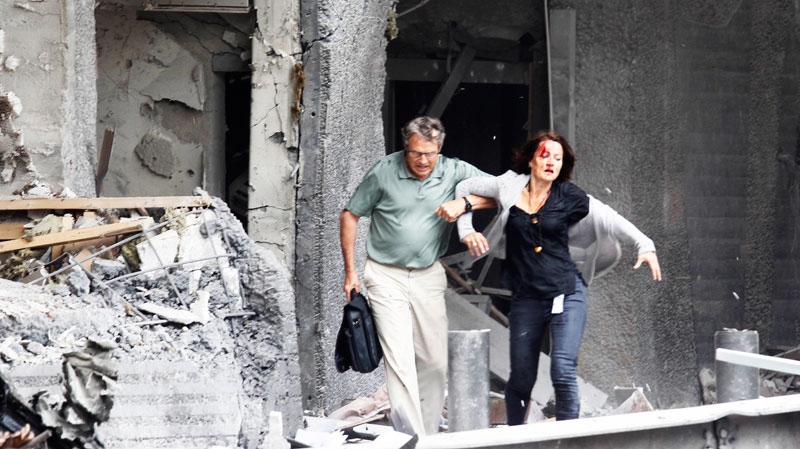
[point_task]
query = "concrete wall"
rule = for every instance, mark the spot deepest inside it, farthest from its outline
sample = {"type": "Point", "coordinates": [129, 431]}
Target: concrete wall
{"type": "Point", "coordinates": [341, 137]}
{"type": "Point", "coordinates": [682, 110]}
{"type": "Point", "coordinates": [158, 91]}
{"type": "Point", "coordinates": [162, 89]}
{"type": "Point", "coordinates": [278, 78]}
{"type": "Point", "coordinates": [47, 95]}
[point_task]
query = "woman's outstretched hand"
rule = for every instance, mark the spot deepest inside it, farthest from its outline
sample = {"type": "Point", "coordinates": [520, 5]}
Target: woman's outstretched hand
{"type": "Point", "coordinates": [651, 259]}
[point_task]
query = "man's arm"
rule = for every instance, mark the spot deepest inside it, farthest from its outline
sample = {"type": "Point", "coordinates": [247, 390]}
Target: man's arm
{"type": "Point", "coordinates": [451, 210]}
{"type": "Point", "coordinates": [348, 226]}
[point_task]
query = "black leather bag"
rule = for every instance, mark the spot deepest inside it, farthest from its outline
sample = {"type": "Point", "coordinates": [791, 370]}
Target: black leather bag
{"type": "Point", "coordinates": [357, 345]}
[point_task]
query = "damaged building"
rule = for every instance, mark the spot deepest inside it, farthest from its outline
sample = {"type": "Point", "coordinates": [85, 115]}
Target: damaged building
{"type": "Point", "coordinates": [683, 115]}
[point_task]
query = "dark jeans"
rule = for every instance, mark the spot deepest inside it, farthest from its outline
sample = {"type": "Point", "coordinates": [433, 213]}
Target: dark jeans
{"type": "Point", "coordinates": [528, 320]}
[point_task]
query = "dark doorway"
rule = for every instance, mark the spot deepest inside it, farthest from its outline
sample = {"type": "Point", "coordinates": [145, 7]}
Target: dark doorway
{"type": "Point", "coordinates": [484, 122]}
{"type": "Point", "coordinates": [237, 141]}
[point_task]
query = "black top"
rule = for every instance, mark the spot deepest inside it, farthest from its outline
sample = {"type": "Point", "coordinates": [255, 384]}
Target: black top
{"type": "Point", "coordinates": [551, 271]}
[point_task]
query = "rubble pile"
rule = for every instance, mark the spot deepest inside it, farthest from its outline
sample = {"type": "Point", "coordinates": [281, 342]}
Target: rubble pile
{"type": "Point", "coordinates": [169, 286]}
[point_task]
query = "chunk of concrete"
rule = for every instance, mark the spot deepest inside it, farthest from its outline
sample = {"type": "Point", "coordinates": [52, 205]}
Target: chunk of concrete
{"type": "Point", "coordinates": [158, 251]}
{"type": "Point", "coordinates": [275, 439]}
{"type": "Point", "coordinates": [156, 152]}
{"type": "Point", "coordinates": [108, 269]}
{"type": "Point", "coordinates": [636, 403]}
{"type": "Point", "coordinates": [170, 314]}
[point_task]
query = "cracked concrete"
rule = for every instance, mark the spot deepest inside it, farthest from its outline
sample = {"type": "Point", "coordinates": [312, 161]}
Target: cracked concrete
{"type": "Point", "coordinates": [271, 202]}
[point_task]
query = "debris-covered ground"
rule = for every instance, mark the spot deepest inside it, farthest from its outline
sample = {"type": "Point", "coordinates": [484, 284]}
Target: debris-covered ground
{"type": "Point", "coordinates": [200, 317]}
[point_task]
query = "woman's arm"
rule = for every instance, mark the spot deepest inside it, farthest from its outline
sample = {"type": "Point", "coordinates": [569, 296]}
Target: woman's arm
{"type": "Point", "coordinates": [483, 186]}
{"type": "Point", "coordinates": [614, 224]}
{"type": "Point", "coordinates": [451, 210]}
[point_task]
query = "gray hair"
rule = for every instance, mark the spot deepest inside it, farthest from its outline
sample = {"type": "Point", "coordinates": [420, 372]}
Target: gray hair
{"type": "Point", "coordinates": [429, 128]}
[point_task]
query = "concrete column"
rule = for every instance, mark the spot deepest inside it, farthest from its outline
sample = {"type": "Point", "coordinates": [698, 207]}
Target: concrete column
{"type": "Point", "coordinates": [468, 380]}
{"type": "Point", "coordinates": [736, 382]}
{"type": "Point", "coordinates": [277, 81]}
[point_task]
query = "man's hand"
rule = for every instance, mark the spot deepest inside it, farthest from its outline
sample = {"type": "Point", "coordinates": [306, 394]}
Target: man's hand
{"type": "Point", "coordinates": [477, 243]}
{"type": "Point", "coordinates": [652, 260]}
{"type": "Point", "coordinates": [451, 210]}
{"type": "Point", "coordinates": [351, 282]}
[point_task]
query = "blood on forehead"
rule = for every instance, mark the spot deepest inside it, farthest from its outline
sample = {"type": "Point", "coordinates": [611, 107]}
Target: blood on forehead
{"type": "Point", "coordinates": [542, 150]}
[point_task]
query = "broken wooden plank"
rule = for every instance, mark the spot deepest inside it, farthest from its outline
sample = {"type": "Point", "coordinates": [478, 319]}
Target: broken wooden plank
{"type": "Point", "coordinates": [73, 236]}
{"type": "Point", "coordinates": [103, 203]}
{"type": "Point", "coordinates": [103, 160]}
{"type": "Point", "coordinates": [67, 222]}
{"type": "Point", "coordinates": [11, 231]}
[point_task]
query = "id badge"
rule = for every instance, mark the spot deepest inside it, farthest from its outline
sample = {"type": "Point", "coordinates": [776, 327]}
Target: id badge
{"type": "Point", "coordinates": [558, 305]}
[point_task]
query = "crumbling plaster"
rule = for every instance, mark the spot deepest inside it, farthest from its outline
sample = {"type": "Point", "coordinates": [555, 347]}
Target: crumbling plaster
{"type": "Point", "coordinates": [274, 163]}
{"type": "Point", "coordinates": [158, 92]}
{"type": "Point", "coordinates": [53, 77]}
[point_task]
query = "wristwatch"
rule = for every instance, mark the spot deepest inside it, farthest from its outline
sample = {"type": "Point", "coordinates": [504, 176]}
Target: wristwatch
{"type": "Point", "coordinates": [467, 206]}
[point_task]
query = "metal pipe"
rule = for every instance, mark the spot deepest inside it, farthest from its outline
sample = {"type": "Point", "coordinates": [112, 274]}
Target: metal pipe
{"type": "Point", "coordinates": [468, 380]}
{"type": "Point", "coordinates": [736, 382]}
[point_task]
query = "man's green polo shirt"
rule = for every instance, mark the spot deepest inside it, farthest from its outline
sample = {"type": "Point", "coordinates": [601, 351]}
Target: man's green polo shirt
{"type": "Point", "coordinates": [405, 231]}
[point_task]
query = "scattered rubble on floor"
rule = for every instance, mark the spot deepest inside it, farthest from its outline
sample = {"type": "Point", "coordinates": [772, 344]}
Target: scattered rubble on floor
{"type": "Point", "coordinates": [771, 383]}
{"type": "Point", "coordinates": [331, 433]}
{"type": "Point", "coordinates": [169, 288]}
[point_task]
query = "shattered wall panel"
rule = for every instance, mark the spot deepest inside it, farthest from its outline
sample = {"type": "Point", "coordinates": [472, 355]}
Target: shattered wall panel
{"type": "Point", "coordinates": [156, 79]}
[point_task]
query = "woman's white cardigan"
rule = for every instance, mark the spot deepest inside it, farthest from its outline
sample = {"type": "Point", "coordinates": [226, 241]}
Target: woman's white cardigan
{"type": "Point", "coordinates": [593, 241]}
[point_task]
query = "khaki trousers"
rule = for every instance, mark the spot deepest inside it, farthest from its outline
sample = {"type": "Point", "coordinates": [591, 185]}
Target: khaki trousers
{"type": "Point", "coordinates": [409, 311]}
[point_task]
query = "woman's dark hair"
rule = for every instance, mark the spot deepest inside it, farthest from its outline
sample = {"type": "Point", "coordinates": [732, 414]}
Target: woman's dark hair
{"type": "Point", "coordinates": [523, 156]}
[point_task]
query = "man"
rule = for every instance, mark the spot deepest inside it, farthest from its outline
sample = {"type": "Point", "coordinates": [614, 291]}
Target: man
{"type": "Point", "coordinates": [409, 231]}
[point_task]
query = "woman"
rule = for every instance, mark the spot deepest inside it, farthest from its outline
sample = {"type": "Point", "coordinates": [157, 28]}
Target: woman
{"type": "Point", "coordinates": [537, 206]}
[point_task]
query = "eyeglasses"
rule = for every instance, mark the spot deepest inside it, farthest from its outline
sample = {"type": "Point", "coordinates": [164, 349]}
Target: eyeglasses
{"type": "Point", "coordinates": [418, 154]}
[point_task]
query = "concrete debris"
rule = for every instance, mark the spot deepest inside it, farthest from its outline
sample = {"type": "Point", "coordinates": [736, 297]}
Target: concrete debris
{"type": "Point", "coordinates": [330, 433]}
{"type": "Point", "coordinates": [172, 74]}
{"type": "Point", "coordinates": [708, 384]}
{"type": "Point", "coordinates": [363, 407]}
{"type": "Point", "coordinates": [20, 426]}
{"type": "Point", "coordinates": [11, 63]}
{"type": "Point", "coordinates": [15, 103]}
{"type": "Point", "coordinates": [197, 313]}
{"type": "Point", "coordinates": [89, 383]}
{"type": "Point", "coordinates": [275, 438]}
{"type": "Point", "coordinates": [207, 374]}
{"type": "Point", "coordinates": [312, 438]}
{"type": "Point", "coordinates": [636, 403]}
